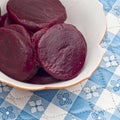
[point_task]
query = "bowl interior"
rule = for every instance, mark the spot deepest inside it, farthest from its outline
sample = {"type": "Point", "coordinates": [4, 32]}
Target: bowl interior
{"type": "Point", "coordinates": [89, 18]}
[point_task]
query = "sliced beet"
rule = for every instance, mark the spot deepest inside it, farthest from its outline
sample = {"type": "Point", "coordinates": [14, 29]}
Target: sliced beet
{"type": "Point", "coordinates": [62, 51]}
{"type": "Point", "coordinates": [16, 55]}
{"type": "Point", "coordinates": [36, 14]}
{"type": "Point", "coordinates": [42, 77]}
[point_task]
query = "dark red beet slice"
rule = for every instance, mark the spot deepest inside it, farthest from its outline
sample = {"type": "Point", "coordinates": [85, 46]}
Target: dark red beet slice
{"type": "Point", "coordinates": [42, 77]}
{"type": "Point", "coordinates": [16, 55]}
{"type": "Point", "coordinates": [36, 14]}
{"type": "Point", "coordinates": [21, 30]}
{"type": "Point", "coordinates": [2, 20]}
{"type": "Point", "coordinates": [62, 51]}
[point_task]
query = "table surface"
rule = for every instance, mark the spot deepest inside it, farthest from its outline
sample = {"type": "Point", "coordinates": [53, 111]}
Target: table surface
{"type": "Point", "coordinates": [97, 98]}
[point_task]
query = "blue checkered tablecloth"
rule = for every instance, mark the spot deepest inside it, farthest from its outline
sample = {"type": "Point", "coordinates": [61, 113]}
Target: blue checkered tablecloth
{"type": "Point", "coordinates": [97, 98]}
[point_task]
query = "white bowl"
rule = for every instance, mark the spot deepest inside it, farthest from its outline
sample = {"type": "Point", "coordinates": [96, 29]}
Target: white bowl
{"type": "Point", "coordinates": [88, 16]}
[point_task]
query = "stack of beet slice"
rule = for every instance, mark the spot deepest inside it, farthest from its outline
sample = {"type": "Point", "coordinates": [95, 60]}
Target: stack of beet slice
{"type": "Point", "coordinates": [16, 54]}
{"type": "Point", "coordinates": [62, 51]}
{"type": "Point", "coordinates": [35, 44]}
